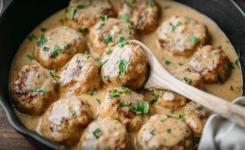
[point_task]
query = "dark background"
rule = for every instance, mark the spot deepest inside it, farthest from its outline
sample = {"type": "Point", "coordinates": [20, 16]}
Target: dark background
{"type": "Point", "coordinates": [11, 140]}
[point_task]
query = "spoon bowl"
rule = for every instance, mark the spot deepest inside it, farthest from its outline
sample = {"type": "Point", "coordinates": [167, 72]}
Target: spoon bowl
{"type": "Point", "coordinates": [160, 77]}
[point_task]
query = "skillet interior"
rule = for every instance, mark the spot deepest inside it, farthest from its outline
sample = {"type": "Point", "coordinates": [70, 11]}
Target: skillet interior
{"type": "Point", "coordinates": [21, 17]}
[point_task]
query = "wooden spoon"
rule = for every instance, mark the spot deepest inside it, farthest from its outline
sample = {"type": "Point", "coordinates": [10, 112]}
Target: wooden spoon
{"type": "Point", "coordinates": [161, 77]}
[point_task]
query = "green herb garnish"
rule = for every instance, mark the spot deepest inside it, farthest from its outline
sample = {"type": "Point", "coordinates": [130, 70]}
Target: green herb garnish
{"type": "Point", "coordinates": [96, 132]}
{"type": "Point", "coordinates": [31, 56]}
{"type": "Point", "coordinates": [169, 130]}
{"type": "Point", "coordinates": [107, 39]}
{"type": "Point", "coordinates": [124, 104]}
{"type": "Point", "coordinates": [122, 66]}
{"type": "Point", "coordinates": [80, 6]}
{"type": "Point", "coordinates": [194, 39]}
{"type": "Point", "coordinates": [174, 27]}
{"type": "Point", "coordinates": [151, 4]}
{"type": "Point", "coordinates": [142, 108]}
{"type": "Point", "coordinates": [43, 29]}
{"type": "Point", "coordinates": [42, 40]}
{"type": "Point", "coordinates": [125, 17]}
{"type": "Point", "coordinates": [106, 78]}
{"type": "Point", "coordinates": [31, 37]}
{"type": "Point", "coordinates": [90, 93]}
{"type": "Point", "coordinates": [167, 62]}
{"type": "Point", "coordinates": [73, 112]}
{"type": "Point", "coordinates": [83, 29]}
{"type": "Point", "coordinates": [153, 101]}
{"type": "Point", "coordinates": [38, 90]}
{"type": "Point", "coordinates": [122, 42]}
{"type": "Point", "coordinates": [187, 80]}
{"type": "Point", "coordinates": [72, 13]}
{"type": "Point", "coordinates": [98, 101]}
{"type": "Point", "coordinates": [54, 75]}
{"type": "Point", "coordinates": [108, 51]}
{"type": "Point", "coordinates": [116, 93]}
{"type": "Point", "coordinates": [152, 132]}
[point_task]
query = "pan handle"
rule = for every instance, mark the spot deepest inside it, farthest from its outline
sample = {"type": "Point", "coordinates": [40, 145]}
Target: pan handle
{"type": "Point", "coordinates": [4, 4]}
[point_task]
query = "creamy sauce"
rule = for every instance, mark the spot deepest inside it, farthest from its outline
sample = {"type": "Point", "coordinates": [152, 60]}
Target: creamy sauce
{"type": "Point", "coordinates": [169, 8]}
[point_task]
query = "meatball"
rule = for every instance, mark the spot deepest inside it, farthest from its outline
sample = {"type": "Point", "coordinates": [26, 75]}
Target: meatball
{"type": "Point", "coordinates": [57, 46]}
{"type": "Point", "coordinates": [64, 120]}
{"type": "Point", "coordinates": [104, 134]}
{"type": "Point", "coordinates": [107, 33]}
{"type": "Point", "coordinates": [195, 115]}
{"type": "Point", "coordinates": [33, 90]}
{"type": "Point", "coordinates": [168, 99]}
{"type": "Point", "coordinates": [188, 75]}
{"type": "Point", "coordinates": [80, 75]}
{"type": "Point", "coordinates": [83, 14]}
{"type": "Point", "coordinates": [123, 104]}
{"type": "Point", "coordinates": [182, 35]}
{"type": "Point", "coordinates": [161, 132]}
{"type": "Point", "coordinates": [212, 63]}
{"type": "Point", "coordinates": [125, 66]}
{"type": "Point", "coordinates": [143, 14]}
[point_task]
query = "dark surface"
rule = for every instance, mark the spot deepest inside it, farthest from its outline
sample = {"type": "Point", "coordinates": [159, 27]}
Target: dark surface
{"type": "Point", "coordinates": [23, 16]}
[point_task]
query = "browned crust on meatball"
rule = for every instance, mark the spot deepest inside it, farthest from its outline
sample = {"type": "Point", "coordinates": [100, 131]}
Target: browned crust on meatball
{"type": "Point", "coordinates": [212, 63]}
{"type": "Point", "coordinates": [62, 43]}
{"type": "Point", "coordinates": [130, 58]}
{"type": "Point", "coordinates": [65, 119]}
{"type": "Point", "coordinates": [181, 35]}
{"type": "Point", "coordinates": [112, 28]}
{"type": "Point", "coordinates": [33, 90]}
{"type": "Point", "coordinates": [142, 14]}
{"type": "Point", "coordinates": [87, 13]}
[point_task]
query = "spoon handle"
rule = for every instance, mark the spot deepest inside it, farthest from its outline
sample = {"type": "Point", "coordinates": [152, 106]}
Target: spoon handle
{"type": "Point", "coordinates": [161, 77]}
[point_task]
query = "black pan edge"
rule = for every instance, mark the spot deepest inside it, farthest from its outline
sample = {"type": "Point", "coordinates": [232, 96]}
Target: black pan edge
{"type": "Point", "coordinates": [35, 138]}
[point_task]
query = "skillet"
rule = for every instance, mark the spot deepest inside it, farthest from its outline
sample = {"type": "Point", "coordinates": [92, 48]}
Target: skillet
{"type": "Point", "coordinates": [19, 17]}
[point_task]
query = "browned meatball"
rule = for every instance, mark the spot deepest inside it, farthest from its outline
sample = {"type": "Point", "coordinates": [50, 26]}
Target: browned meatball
{"type": "Point", "coordinates": [64, 119]}
{"type": "Point", "coordinates": [57, 46]}
{"type": "Point", "coordinates": [143, 14]}
{"type": "Point", "coordinates": [161, 132]}
{"type": "Point", "coordinates": [106, 34]}
{"type": "Point", "coordinates": [188, 75]}
{"type": "Point", "coordinates": [33, 90]}
{"type": "Point", "coordinates": [168, 99]}
{"type": "Point", "coordinates": [104, 134]}
{"type": "Point", "coordinates": [122, 104]}
{"type": "Point", "coordinates": [80, 75]}
{"type": "Point", "coordinates": [212, 63]}
{"type": "Point", "coordinates": [125, 66]}
{"type": "Point", "coordinates": [83, 14]}
{"type": "Point", "coordinates": [195, 116]}
{"type": "Point", "coordinates": [182, 35]}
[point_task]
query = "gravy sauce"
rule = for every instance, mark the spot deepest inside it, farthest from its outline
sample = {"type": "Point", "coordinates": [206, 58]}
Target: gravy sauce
{"type": "Point", "coordinates": [169, 8]}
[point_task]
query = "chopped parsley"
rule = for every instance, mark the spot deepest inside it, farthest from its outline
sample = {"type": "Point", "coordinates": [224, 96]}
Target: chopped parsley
{"type": "Point", "coordinates": [66, 46]}
{"type": "Point", "coordinates": [87, 56]}
{"type": "Point", "coordinates": [56, 50]}
{"type": "Point", "coordinates": [181, 114]}
{"type": "Point", "coordinates": [102, 64]}
{"type": "Point", "coordinates": [237, 62]}
{"type": "Point", "coordinates": [122, 42]}
{"type": "Point", "coordinates": [125, 17]}
{"type": "Point", "coordinates": [118, 79]}
{"type": "Point", "coordinates": [227, 41]}
{"type": "Point", "coordinates": [151, 4]}
{"type": "Point", "coordinates": [107, 39]}
{"type": "Point", "coordinates": [172, 111]}
{"type": "Point", "coordinates": [108, 51]}
{"type": "Point", "coordinates": [31, 56]}
{"type": "Point", "coordinates": [80, 6]}
{"type": "Point", "coordinates": [162, 120]}
{"type": "Point", "coordinates": [216, 52]}
{"type": "Point", "coordinates": [97, 59]}
{"type": "Point", "coordinates": [54, 75]}
{"type": "Point", "coordinates": [98, 101]}
{"type": "Point", "coordinates": [128, 3]}
{"type": "Point", "coordinates": [96, 133]}
{"type": "Point", "coordinates": [167, 62]}
{"type": "Point", "coordinates": [38, 90]}
{"type": "Point", "coordinates": [181, 64]}
{"type": "Point", "coordinates": [90, 93]}
{"type": "Point", "coordinates": [153, 132]}
{"type": "Point", "coordinates": [43, 29]}
{"type": "Point", "coordinates": [193, 39]}
{"type": "Point", "coordinates": [122, 66]}
{"type": "Point", "coordinates": [124, 104]}
{"type": "Point", "coordinates": [83, 29]}
{"type": "Point", "coordinates": [72, 13]}
{"type": "Point", "coordinates": [166, 7]}
{"type": "Point", "coordinates": [142, 108]}
{"type": "Point", "coordinates": [31, 37]}
{"type": "Point", "coordinates": [104, 18]}
{"type": "Point", "coordinates": [232, 89]}
{"type": "Point", "coordinates": [219, 47]}
{"type": "Point", "coordinates": [174, 27]}
{"type": "Point", "coordinates": [219, 78]}
{"type": "Point", "coordinates": [45, 49]}
{"type": "Point", "coordinates": [187, 80]}
{"type": "Point", "coordinates": [42, 40]}
{"type": "Point", "coordinates": [106, 78]}
{"type": "Point", "coordinates": [73, 112]}
{"type": "Point", "coordinates": [126, 90]}
{"type": "Point", "coordinates": [153, 101]}
{"type": "Point", "coordinates": [169, 130]}
{"type": "Point", "coordinates": [116, 93]}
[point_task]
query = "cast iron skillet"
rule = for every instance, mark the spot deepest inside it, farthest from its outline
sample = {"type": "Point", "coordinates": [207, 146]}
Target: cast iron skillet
{"type": "Point", "coordinates": [20, 17]}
